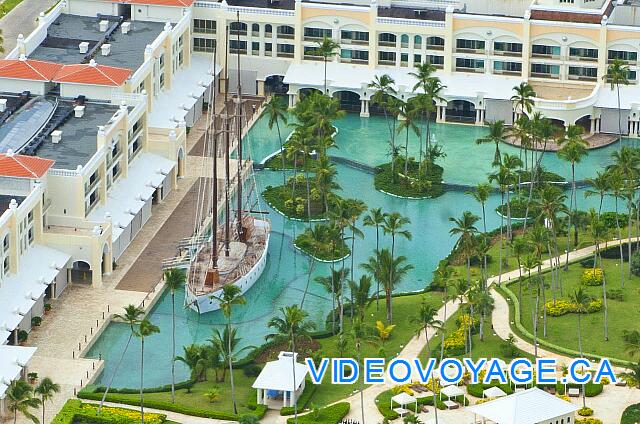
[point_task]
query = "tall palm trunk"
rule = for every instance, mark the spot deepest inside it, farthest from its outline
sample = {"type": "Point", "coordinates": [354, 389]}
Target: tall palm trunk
{"type": "Point", "coordinates": [444, 319]}
{"type": "Point", "coordinates": [173, 346]}
{"type": "Point", "coordinates": [295, 174]}
{"type": "Point", "coordinates": [573, 207]}
{"type": "Point", "coordinates": [584, 400]}
{"type": "Point", "coordinates": [306, 176]}
{"type": "Point", "coordinates": [406, 155]}
{"type": "Point", "coordinates": [377, 281]}
{"type": "Point", "coordinates": [629, 226]}
{"type": "Point", "coordinates": [284, 177]}
{"type": "Point", "coordinates": [353, 246]}
{"type": "Point", "coordinates": [604, 296]}
{"type": "Point", "coordinates": [620, 240]}
{"type": "Point", "coordinates": [293, 367]}
{"type": "Point", "coordinates": [233, 387]}
{"type": "Point", "coordinates": [501, 241]}
{"type": "Point", "coordinates": [142, 379]}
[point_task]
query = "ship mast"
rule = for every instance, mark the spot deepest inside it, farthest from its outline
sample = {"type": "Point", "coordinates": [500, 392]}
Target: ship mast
{"type": "Point", "coordinates": [239, 109]}
{"type": "Point", "coordinates": [214, 194]}
{"type": "Point", "coordinates": [225, 118]}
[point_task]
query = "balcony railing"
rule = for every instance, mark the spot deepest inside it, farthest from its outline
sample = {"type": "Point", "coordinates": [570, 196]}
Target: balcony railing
{"type": "Point", "coordinates": [236, 51]}
{"type": "Point", "coordinates": [627, 62]}
{"type": "Point", "coordinates": [435, 47]}
{"type": "Point", "coordinates": [583, 59]}
{"type": "Point", "coordinates": [472, 51]}
{"type": "Point", "coordinates": [473, 70]}
{"type": "Point", "coordinates": [312, 38]}
{"type": "Point", "coordinates": [506, 72]}
{"type": "Point", "coordinates": [238, 32]}
{"type": "Point", "coordinates": [507, 53]}
{"type": "Point", "coordinates": [285, 54]}
{"type": "Point", "coordinates": [387, 43]}
{"type": "Point", "coordinates": [545, 56]}
{"type": "Point", "coordinates": [312, 57]}
{"type": "Point", "coordinates": [355, 61]}
{"type": "Point", "coordinates": [582, 78]}
{"type": "Point", "coordinates": [286, 36]}
{"type": "Point", "coordinates": [386, 62]}
{"type": "Point", "coordinates": [544, 75]}
{"type": "Point", "coordinates": [357, 42]}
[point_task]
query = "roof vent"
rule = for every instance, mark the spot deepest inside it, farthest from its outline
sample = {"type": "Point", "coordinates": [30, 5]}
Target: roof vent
{"type": "Point", "coordinates": [93, 63]}
{"type": "Point", "coordinates": [104, 24]}
{"type": "Point", "coordinates": [106, 49]}
{"type": "Point", "coordinates": [84, 47]}
{"type": "Point", "coordinates": [79, 111]}
{"type": "Point", "coordinates": [3, 105]}
{"type": "Point", "coordinates": [56, 136]}
{"type": "Point", "coordinates": [23, 57]}
{"type": "Point", "coordinates": [10, 153]}
{"type": "Point", "coordinates": [125, 27]}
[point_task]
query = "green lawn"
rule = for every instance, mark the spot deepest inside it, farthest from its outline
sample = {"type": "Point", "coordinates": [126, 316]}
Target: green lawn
{"type": "Point", "coordinates": [562, 331]}
{"type": "Point", "coordinates": [404, 307]}
{"type": "Point", "coordinates": [7, 5]}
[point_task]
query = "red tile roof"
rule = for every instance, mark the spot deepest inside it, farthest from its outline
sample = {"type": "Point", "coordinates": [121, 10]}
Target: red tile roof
{"type": "Point", "coordinates": [177, 3]}
{"type": "Point", "coordinates": [12, 165]}
{"type": "Point", "coordinates": [28, 69]}
{"type": "Point", "coordinates": [93, 74]}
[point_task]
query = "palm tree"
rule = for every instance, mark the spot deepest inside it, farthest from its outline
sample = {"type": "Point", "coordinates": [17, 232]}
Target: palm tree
{"type": "Point", "coordinates": [497, 134]}
{"type": "Point", "coordinates": [230, 297]}
{"type": "Point", "coordinates": [599, 235]}
{"type": "Point", "coordinates": [520, 247]}
{"type": "Point", "coordinates": [574, 148]}
{"type": "Point", "coordinates": [193, 358]}
{"type": "Point", "coordinates": [383, 96]}
{"type": "Point", "coordinates": [327, 48]}
{"type": "Point", "coordinates": [529, 263]}
{"type": "Point", "coordinates": [538, 238]}
{"type": "Point", "coordinates": [360, 295]}
{"type": "Point", "coordinates": [427, 317]}
{"type": "Point", "coordinates": [483, 303]}
{"type": "Point", "coordinates": [20, 399]}
{"type": "Point", "coordinates": [523, 98]}
{"type": "Point", "coordinates": [599, 187]}
{"type": "Point", "coordinates": [226, 343]}
{"type": "Point", "coordinates": [325, 180]}
{"type": "Point", "coordinates": [481, 195]}
{"type": "Point", "coordinates": [627, 162]}
{"type": "Point", "coordinates": [389, 272]}
{"type": "Point", "coordinates": [375, 218]}
{"type": "Point", "coordinates": [466, 229]}
{"type": "Point", "coordinates": [354, 208]}
{"type": "Point", "coordinates": [432, 90]}
{"type": "Point", "coordinates": [46, 389]}
{"type": "Point", "coordinates": [631, 342]}
{"type": "Point", "coordinates": [145, 329]}
{"type": "Point", "coordinates": [293, 324]}
{"type": "Point", "coordinates": [409, 115]}
{"type": "Point", "coordinates": [276, 110]}
{"type": "Point", "coordinates": [334, 285]}
{"type": "Point", "coordinates": [394, 224]}
{"type": "Point", "coordinates": [615, 186]}
{"type": "Point", "coordinates": [132, 315]}
{"type": "Point", "coordinates": [581, 300]}
{"type": "Point", "coordinates": [174, 279]}
{"type": "Point", "coordinates": [632, 376]}
{"type": "Point", "coordinates": [617, 74]}
{"type": "Point", "coordinates": [359, 334]}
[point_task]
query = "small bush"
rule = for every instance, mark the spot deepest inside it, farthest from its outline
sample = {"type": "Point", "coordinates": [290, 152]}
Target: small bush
{"type": "Point", "coordinates": [36, 321]}
{"type": "Point", "coordinates": [585, 411]}
{"type": "Point", "coordinates": [589, 420]}
{"type": "Point", "coordinates": [77, 412]}
{"type": "Point", "coordinates": [592, 277]}
{"type": "Point", "coordinates": [616, 294]}
{"type": "Point", "coordinates": [587, 263]}
{"type": "Point", "coordinates": [328, 415]}
{"type": "Point", "coordinates": [635, 264]}
{"type": "Point", "coordinates": [252, 370]}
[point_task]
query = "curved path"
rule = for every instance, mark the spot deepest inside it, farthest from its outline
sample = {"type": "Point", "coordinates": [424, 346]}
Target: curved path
{"type": "Point", "coordinates": [607, 406]}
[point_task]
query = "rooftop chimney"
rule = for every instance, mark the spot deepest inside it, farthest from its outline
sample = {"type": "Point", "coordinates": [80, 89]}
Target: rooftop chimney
{"type": "Point", "coordinates": [106, 49]}
{"type": "Point", "coordinates": [93, 63]}
{"type": "Point", "coordinates": [79, 111]}
{"type": "Point", "coordinates": [104, 25]}
{"type": "Point", "coordinates": [56, 136]}
{"type": "Point", "coordinates": [125, 27]}
{"type": "Point", "coordinates": [84, 47]}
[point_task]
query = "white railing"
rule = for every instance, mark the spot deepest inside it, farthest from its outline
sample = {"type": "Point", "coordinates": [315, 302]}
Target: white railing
{"type": "Point", "coordinates": [570, 104]}
{"type": "Point", "coordinates": [95, 161]}
{"type": "Point", "coordinates": [426, 3]}
{"type": "Point", "coordinates": [131, 99]}
{"type": "Point", "coordinates": [243, 10]}
{"type": "Point", "coordinates": [182, 25]}
{"type": "Point", "coordinates": [63, 172]}
{"type": "Point", "coordinates": [29, 202]}
{"type": "Point", "coordinates": [413, 22]}
{"type": "Point", "coordinates": [142, 72]}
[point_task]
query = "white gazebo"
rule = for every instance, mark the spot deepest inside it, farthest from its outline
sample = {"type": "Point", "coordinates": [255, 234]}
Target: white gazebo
{"type": "Point", "coordinates": [529, 406]}
{"type": "Point", "coordinates": [493, 392]}
{"type": "Point", "coordinates": [451, 392]}
{"type": "Point", "coordinates": [276, 381]}
{"type": "Point", "coordinates": [403, 399]}
{"type": "Point", "coordinates": [13, 366]}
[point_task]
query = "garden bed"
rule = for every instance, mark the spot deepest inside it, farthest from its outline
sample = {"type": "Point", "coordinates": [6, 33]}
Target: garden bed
{"type": "Point", "coordinates": [323, 243]}
{"type": "Point", "coordinates": [409, 186]}
{"type": "Point", "coordinates": [295, 207]}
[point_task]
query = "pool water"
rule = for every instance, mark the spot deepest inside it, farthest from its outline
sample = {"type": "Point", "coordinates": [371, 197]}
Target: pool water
{"type": "Point", "coordinates": [286, 276]}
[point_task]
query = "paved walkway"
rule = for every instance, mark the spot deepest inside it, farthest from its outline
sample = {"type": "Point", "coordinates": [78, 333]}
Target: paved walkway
{"type": "Point", "coordinates": [22, 20]}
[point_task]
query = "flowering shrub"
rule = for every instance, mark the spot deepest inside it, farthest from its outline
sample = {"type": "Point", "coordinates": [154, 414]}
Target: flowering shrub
{"type": "Point", "coordinates": [563, 307]}
{"type": "Point", "coordinates": [454, 343]}
{"type": "Point", "coordinates": [592, 277]}
{"type": "Point", "coordinates": [589, 420]}
{"type": "Point", "coordinates": [75, 410]}
{"type": "Point", "coordinates": [563, 397]}
{"type": "Point", "coordinates": [585, 411]}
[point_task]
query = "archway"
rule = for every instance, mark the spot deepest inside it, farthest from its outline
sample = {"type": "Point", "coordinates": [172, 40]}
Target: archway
{"type": "Point", "coordinates": [585, 123]}
{"type": "Point", "coordinates": [304, 92]}
{"type": "Point", "coordinates": [349, 100]}
{"type": "Point", "coordinates": [461, 111]}
{"type": "Point", "coordinates": [274, 84]}
{"type": "Point", "coordinates": [81, 273]}
{"type": "Point", "coordinates": [105, 259]}
{"type": "Point", "coordinates": [378, 109]}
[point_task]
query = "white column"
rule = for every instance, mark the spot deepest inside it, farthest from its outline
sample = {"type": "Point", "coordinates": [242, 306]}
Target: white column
{"type": "Point", "coordinates": [478, 116]}
{"type": "Point", "coordinates": [444, 114]}
{"type": "Point", "coordinates": [259, 396]}
{"type": "Point", "coordinates": [366, 105]}
{"type": "Point", "coordinates": [362, 108]}
{"type": "Point", "coordinates": [284, 398]}
{"type": "Point", "coordinates": [593, 125]}
{"type": "Point", "coordinates": [292, 99]}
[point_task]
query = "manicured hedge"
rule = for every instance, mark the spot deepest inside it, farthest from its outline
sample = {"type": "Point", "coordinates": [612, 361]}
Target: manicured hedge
{"type": "Point", "coordinates": [303, 401]}
{"type": "Point", "coordinates": [260, 410]}
{"type": "Point", "coordinates": [332, 414]}
{"type": "Point", "coordinates": [77, 412]}
{"type": "Point", "coordinates": [166, 388]}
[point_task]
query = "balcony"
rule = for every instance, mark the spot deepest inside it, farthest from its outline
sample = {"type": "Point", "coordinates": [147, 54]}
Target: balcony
{"type": "Point", "coordinates": [624, 61]}
{"type": "Point", "coordinates": [285, 36]}
{"type": "Point", "coordinates": [355, 42]}
{"type": "Point", "coordinates": [583, 59]}
{"type": "Point", "coordinates": [470, 51]}
{"type": "Point", "coordinates": [582, 78]}
{"type": "Point", "coordinates": [545, 56]}
{"type": "Point", "coordinates": [506, 72]}
{"type": "Point", "coordinates": [237, 32]}
{"type": "Point", "coordinates": [507, 53]}
{"type": "Point", "coordinates": [354, 61]}
{"type": "Point", "coordinates": [312, 57]}
{"type": "Point", "coordinates": [438, 47]}
{"type": "Point", "coordinates": [387, 43]}
{"type": "Point", "coordinates": [285, 54]}
{"type": "Point", "coordinates": [312, 38]}
{"type": "Point", "coordinates": [471, 70]}
{"type": "Point", "coordinates": [544, 75]}
{"type": "Point", "coordinates": [386, 62]}
{"type": "Point", "coordinates": [237, 51]}
{"type": "Point", "coordinates": [255, 33]}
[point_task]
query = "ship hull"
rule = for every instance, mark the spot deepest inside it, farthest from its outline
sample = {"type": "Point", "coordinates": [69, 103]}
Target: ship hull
{"type": "Point", "coordinates": [205, 303]}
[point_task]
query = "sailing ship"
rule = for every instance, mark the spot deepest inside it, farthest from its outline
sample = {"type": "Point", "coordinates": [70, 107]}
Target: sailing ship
{"type": "Point", "coordinates": [232, 248]}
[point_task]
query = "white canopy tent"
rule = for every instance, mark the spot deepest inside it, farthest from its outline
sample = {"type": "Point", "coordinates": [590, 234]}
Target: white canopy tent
{"type": "Point", "coordinates": [493, 392]}
{"type": "Point", "coordinates": [403, 399]}
{"type": "Point", "coordinates": [529, 406]}
{"type": "Point", "coordinates": [277, 378]}
{"type": "Point", "coordinates": [451, 391]}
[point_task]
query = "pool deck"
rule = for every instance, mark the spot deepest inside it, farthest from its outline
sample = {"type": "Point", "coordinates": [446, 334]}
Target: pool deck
{"type": "Point", "coordinates": [596, 141]}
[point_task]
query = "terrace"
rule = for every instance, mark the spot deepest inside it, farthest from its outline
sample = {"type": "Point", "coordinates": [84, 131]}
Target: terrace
{"type": "Point", "coordinates": [65, 34]}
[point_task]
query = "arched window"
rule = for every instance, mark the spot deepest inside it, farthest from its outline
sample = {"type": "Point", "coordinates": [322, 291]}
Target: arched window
{"type": "Point", "coordinates": [5, 243]}
{"type": "Point", "coordinates": [268, 29]}
{"type": "Point", "coordinates": [255, 28]}
{"type": "Point", "coordinates": [417, 41]}
{"type": "Point", "coordinates": [404, 40]}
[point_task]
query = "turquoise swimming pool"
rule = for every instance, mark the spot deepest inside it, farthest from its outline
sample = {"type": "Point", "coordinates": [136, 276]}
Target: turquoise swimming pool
{"type": "Point", "coordinates": [286, 275]}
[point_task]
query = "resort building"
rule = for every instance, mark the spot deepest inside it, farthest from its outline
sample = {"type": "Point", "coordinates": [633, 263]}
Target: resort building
{"type": "Point", "coordinates": [94, 112]}
{"type": "Point", "coordinates": [482, 48]}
